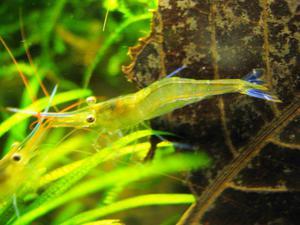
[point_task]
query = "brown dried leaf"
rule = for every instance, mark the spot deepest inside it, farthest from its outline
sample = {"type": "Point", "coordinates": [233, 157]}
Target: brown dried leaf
{"type": "Point", "coordinates": [254, 144]}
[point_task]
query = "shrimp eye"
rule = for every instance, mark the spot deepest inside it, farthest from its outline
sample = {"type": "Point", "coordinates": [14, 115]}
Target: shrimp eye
{"type": "Point", "coordinates": [16, 157]}
{"type": "Point", "coordinates": [90, 119]}
{"type": "Point", "coordinates": [91, 100]}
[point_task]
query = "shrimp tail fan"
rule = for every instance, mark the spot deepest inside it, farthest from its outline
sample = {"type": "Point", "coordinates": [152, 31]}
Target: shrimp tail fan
{"type": "Point", "coordinates": [263, 95]}
{"type": "Point", "coordinates": [256, 86]}
{"type": "Point", "coordinates": [254, 76]}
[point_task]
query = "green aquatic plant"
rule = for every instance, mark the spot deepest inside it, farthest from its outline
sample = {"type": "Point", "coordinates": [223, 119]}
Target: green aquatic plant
{"type": "Point", "coordinates": [59, 182]}
{"type": "Point", "coordinates": [71, 178]}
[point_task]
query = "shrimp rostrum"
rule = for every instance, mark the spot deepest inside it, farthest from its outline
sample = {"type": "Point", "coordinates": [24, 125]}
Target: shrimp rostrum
{"type": "Point", "coordinates": [159, 98]}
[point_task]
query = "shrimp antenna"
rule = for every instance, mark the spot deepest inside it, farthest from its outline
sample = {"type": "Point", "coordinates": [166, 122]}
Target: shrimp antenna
{"type": "Point", "coordinates": [28, 53]}
{"type": "Point", "coordinates": [176, 71]}
{"type": "Point", "coordinates": [37, 126]}
{"type": "Point", "coordinates": [23, 77]}
{"type": "Point", "coordinates": [23, 35]}
{"type": "Point", "coordinates": [39, 114]}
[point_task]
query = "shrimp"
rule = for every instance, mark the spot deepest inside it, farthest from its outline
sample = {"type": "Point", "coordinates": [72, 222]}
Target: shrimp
{"type": "Point", "coordinates": [159, 98]}
{"type": "Point", "coordinates": [16, 167]}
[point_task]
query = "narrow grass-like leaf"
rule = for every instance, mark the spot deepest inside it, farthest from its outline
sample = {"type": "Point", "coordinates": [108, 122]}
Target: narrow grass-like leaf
{"type": "Point", "coordinates": [110, 152]}
{"type": "Point", "coordinates": [105, 222]}
{"type": "Point", "coordinates": [11, 69]}
{"type": "Point", "coordinates": [64, 170]}
{"type": "Point", "coordinates": [130, 203]}
{"type": "Point", "coordinates": [130, 174]}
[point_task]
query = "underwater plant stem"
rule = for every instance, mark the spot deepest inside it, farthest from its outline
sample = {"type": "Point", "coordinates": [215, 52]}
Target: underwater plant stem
{"type": "Point", "coordinates": [130, 203]}
{"type": "Point", "coordinates": [107, 43]}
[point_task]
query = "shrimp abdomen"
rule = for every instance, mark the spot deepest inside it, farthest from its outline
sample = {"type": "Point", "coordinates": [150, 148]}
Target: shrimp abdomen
{"type": "Point", "coordinates": [171, 93]}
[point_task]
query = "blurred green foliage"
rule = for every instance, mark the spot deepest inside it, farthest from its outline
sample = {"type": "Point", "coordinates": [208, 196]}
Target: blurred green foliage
{"type": "Point", "coordinates": [67, 40]}
{"type": "Point", "coordinates": [68, 46]}
{"type": "Point", "coordinates": [81, 45]}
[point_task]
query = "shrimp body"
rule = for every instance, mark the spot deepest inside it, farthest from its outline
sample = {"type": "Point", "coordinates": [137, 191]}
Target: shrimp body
{"type": "Point", "coordinates": [17, 166]}
{"type": "Point", "coordinates": [159, 98]}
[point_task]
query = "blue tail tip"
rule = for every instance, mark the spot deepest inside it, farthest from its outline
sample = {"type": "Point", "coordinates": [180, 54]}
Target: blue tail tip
{"type": "Point", "coordinates": [255, 76]}
{"type": "Point", "coordinates": [263, 95]}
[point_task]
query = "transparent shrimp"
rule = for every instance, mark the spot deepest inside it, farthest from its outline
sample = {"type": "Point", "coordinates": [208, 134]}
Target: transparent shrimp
{"type": "Point", "coordinates": [159, 98]}
{"type": "Point", "coordinates": [16, 167]}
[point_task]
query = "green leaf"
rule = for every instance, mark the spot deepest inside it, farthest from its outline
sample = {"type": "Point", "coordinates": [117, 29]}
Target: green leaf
{"type": "Point", "coordinates": [51, 199]}
{"type": "Point", "coordinates": [130, 203]}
